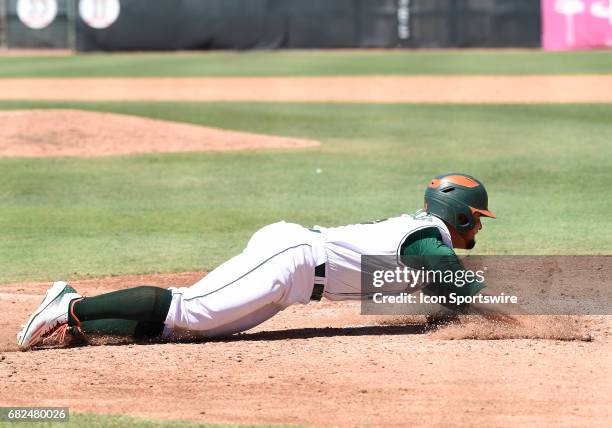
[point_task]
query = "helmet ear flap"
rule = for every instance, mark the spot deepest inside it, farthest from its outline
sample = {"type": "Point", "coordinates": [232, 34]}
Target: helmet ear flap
{"type": "Point", "coordinates": [462, 219]}
{"type": "Point", "coordinates": [465, 221]}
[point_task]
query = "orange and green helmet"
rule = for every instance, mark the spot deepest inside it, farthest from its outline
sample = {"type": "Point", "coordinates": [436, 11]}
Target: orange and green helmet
{"type": "Point", "coordinates": [455, 197]}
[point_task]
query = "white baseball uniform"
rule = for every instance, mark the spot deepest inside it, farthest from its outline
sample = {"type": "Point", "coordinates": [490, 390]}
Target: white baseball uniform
{"type": "Point", "coordinates": [277, 269]}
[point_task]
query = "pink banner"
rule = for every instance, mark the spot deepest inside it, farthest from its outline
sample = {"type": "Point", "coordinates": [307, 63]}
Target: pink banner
{"type": "Point", "coordinates": [576, 24]}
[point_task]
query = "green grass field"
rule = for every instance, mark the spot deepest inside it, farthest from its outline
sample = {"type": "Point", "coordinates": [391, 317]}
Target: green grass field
{"type": "Point", "coordinates": [547, 169]}
{"type": "Point", "coordinates": [309, 63]}
{"type": "Point", "coordinates": [546, 166]}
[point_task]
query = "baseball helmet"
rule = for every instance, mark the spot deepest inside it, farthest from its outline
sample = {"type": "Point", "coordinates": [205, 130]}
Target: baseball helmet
{"type": "Point", "coordinates": [455, 197]}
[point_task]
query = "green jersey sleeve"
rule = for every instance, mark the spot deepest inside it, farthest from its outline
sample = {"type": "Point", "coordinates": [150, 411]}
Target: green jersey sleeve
{"type": "Point", "coordinates": [428, 242]}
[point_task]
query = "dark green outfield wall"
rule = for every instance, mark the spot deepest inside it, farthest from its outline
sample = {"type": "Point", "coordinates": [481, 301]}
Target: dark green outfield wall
{"type": "Point", "coordinates": [277, 24]}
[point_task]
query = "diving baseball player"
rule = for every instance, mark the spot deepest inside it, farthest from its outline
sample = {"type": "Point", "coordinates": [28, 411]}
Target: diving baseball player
{"type": "Point", "coordinates": [283, 264]}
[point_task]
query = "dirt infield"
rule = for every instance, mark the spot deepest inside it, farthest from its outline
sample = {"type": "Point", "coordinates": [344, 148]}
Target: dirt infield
{"type": "Point", "coordinates": [416, 89]}
{"type": "Point", "coordinates": [324, 364]}
{"type": "Point", "coordinates": [40, 133]}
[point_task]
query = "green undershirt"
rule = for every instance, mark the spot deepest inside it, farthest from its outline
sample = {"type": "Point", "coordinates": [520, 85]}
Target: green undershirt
{"type": "Point", "coordinates": [427, 244]}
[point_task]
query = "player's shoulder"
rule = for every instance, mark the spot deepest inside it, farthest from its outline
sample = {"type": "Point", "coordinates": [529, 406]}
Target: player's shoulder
{"type": "Point", "coordinates": [427, 229]}
{"type": "Point", "coordinates": [430, 232]}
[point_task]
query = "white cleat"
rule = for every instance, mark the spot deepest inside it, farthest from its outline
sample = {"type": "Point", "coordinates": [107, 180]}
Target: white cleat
{"type": "Point", "coordinates": [49, 316]}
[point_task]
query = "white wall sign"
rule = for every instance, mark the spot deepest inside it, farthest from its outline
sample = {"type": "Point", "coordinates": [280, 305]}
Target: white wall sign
{"type": "Point", "coordinates": [99, 13]}
{"type": "Point", "coordinates": [36, 14]}
{"type": "Point", "coordinates": [602, 9]}
{"type": "Point", "coordinates": [569, 8]}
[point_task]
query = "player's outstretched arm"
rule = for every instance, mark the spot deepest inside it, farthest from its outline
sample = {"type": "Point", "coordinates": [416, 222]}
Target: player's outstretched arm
{"type": "Point", "coordinates": [510, 313]}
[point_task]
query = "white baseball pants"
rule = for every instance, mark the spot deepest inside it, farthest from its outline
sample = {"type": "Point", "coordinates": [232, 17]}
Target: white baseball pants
{"type": "Point", "coordinates": [275, 270]}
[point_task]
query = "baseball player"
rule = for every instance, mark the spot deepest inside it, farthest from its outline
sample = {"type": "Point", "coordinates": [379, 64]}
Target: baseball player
{"type": "Point", "coordinates": [283, 264]}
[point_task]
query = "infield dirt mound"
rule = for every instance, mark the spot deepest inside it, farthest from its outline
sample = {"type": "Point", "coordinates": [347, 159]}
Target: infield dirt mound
{"type": "Point", "coordinates": [323, 364]}
{"type": "Point", "coordinates": [38, 133]}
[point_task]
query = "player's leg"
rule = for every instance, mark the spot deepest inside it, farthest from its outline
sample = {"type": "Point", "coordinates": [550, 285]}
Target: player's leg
{"type": "Point", "coordinates": [239, 294]}
{"type": "Point", "coordinates": [243, 292]}
{"type": "Point", "coordinates": [143, 303]}
{"type": "Point", "coordinates": [275, 271]}
{"type": "Point", "coordinates": [137, 312]}
{"type": "Point", "coordinates": [63, 309]}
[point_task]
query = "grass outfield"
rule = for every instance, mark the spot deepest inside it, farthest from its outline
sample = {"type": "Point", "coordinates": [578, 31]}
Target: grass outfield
{"type": "Point", "coordinates": [547, 169]}
{"type": "Point", "coordinates": [308, 63]}
{"type": "Point", "coordinates": [88, 420]}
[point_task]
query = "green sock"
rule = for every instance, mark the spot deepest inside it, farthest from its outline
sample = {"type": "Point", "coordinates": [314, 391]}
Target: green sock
{"type": "Point", "coordinates": [144, 303]}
